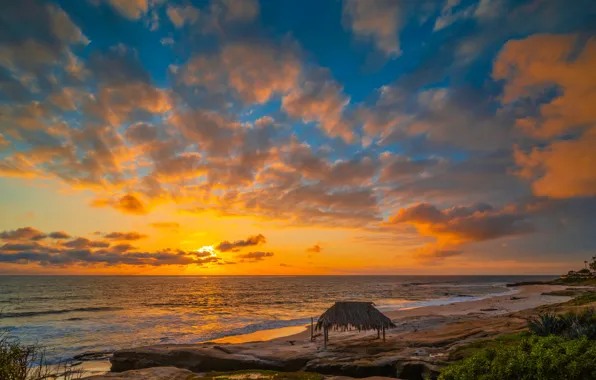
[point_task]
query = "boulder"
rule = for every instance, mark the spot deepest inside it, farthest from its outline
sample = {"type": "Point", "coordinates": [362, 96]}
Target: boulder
{"type": "Point", "coordinates": [200, 358]}
{"type": "Point", "coordinates": [156, 373]}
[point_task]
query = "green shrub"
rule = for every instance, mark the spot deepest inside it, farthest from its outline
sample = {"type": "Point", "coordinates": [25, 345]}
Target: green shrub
{"type": "Point", "coordinates": [571, 325]}
{"type": "Point", "coordinates": [543, 358]}
{"type": "Point", "coordinates": [546, 324]}
{"type": "Point", "coordinates": [20, 362]}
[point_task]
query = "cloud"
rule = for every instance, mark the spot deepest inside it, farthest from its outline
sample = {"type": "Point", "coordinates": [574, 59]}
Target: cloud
{"type": "Point", "coordinates": [255, 72]}
{"type": "Point", "coordinates": [127, 204]}
{"type": "Point", "coordinates": [81, 243]}
{"type": "Point", "coordinates": [131, 9]}
{"type": "Point", "coordinates": [84, 252]}
{"type": "Point", "coordinates": [541, 62]}
{"type": "Point", "coordinates": [59, 235]}
{"type": "Point", "coordinates": [314, 249]}
{"type": "Point", "coordinates": [235, 246]}
{"type": "Point", "coordinates": [563, 169]}
{"type": "Point", "coordinates": [432, 255]}
{"type": "Point", "coordinates": [323, 101]}
{"type": "Point", "coordinates": [449, 15]}
{"type": "Point", "coordinates": [529, 68]}
{"type": "Point", "coordinates": [25, 233]}
{"type": "Point", "coordinates": [252, 257]}
{"type": "Point", "coordinates": [125, 236]}
{"type": "Point", "coordinates": [240, 10]}
{"type": "Point", "coordinates": [379, 20]}
{"type": "Point", "coordinates": [458, 225]}
{"type": "Point", "coordinates": [182, 15]}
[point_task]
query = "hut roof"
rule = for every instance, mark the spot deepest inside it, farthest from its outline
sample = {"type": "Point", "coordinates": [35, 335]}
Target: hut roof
{"type": "Point", "coordinates": [360, 315]}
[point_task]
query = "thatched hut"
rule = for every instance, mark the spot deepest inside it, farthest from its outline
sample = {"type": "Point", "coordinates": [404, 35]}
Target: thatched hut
{"type": "Point", "coordinates": [359, 315]}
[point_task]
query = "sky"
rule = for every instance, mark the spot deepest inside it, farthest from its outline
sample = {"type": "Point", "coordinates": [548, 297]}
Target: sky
{"type": "Point", "coordinates": [246, 137]}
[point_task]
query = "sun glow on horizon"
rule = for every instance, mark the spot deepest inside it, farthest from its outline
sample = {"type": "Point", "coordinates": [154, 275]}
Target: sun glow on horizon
{"type": "Point", "coordinates": [207, 249]}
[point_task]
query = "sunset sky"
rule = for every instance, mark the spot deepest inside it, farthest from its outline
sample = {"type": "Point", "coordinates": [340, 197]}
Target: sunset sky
{"type": "Point", "coordinates": [297, 136]}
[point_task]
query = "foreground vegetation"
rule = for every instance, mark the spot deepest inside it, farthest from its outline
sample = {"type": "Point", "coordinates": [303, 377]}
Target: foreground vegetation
{"type": "Point", "coordinates": [556, 346]}
{"type": "Point", "coordinates": [545, 358]}
{"type": "Point", "coordinates": [21, 362]}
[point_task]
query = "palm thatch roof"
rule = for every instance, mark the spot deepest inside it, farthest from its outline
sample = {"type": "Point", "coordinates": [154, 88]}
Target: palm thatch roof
{"type": "Point", "coordinates": [360, 315]}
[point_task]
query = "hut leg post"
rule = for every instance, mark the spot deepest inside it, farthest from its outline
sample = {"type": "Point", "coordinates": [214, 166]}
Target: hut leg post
{"type": "Point", "coordinates": [378, 334]}
{"type": "Point", "coordinates": [325, 334]}
{"type": "Point", "coordinates": [383, 333]}
{"type": "Point", "coordinates": [312, 331]}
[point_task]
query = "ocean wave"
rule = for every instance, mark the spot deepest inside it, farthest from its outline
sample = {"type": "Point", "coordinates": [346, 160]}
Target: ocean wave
{"type": "Point", "coordinates": [50, 312]}
{"type": "Point", "coordinates": [408, 304]}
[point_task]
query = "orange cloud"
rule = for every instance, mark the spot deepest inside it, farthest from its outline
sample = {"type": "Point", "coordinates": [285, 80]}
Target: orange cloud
{"type": "Point", "coordinates": [379, 20]}
{"type": "Point", "coordinates": [458, 225]}
{"type": "Point", "coordinates": [564, 168]}
{"type": "Point", "coordinates": [128, 204]}
{"type": "Point", "coordinates": [533, 64]}
{"type": "Point", "coordinates": [132, 9]}
{"type": "Point", "coordinates": [323, 101]}
{"type": "Point", "coordinates": [255, 71]}
{"type": "Point", "coordinates": [181, 15]}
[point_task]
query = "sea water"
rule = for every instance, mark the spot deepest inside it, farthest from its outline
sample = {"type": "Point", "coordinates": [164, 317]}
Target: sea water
{"type": "Point", "coordinates": [71, 315]}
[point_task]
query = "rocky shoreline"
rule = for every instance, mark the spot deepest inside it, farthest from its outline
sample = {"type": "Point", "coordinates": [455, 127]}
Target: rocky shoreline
{"type": "Point", "coordinates": [418, 348]}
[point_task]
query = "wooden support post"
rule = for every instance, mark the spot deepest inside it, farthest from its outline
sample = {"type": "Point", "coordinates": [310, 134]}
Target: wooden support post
{"type": "Point", "coordinates": [325, 333]}
{"type": "Point", "coordinates": [378, 333]}
{"type": "Point", "coordinates": [383, 333]}
{"type": "Point", "coordinates": [312, 329]}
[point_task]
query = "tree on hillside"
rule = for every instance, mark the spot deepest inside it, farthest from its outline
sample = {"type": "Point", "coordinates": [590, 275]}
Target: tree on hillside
{"type": "Point", "coordinates": [593, 264]}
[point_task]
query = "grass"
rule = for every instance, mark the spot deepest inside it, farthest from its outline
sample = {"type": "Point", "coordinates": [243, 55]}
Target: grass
{"type": "Point", "coordinates": [582, 299]}
{"type": "Point", "coordinates": [262, 374]}
{"type": "Point", "coordinates": [470, 349]}
{"type": "Point", "coordinates": [22, 362]}
{"type": "Point", "coordinates": [574, 281]}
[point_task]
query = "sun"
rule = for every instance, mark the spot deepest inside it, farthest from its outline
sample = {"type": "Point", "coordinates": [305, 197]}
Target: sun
{"type": "Point", "coordinates": [207, 249]}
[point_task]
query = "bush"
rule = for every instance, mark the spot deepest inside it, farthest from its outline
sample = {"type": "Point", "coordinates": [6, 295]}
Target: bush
{"type": "Point", "coordinates": [546, 324]}
{"type": "Point", "coordinates": [571, 325]}
{"type": "Point", "coordinates": [544, 358]}
{"type": "Point", "coordinates": [20, 362]}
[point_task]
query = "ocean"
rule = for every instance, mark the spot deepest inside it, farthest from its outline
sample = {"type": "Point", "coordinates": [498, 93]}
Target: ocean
{"type": "Point", "coordinates": [72, 315]}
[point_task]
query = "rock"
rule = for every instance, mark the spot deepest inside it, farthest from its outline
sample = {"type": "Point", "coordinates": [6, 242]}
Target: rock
{"type": "Point", "coordinates": [157, 373]}
{"type": "Point", "coordinates": [417, 370]}
{"type": "Point", "coordinates": [200, 358]}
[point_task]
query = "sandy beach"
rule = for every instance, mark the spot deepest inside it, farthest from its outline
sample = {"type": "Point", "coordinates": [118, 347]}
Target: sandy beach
{"type": "Point", "coordinates": [421, 320]}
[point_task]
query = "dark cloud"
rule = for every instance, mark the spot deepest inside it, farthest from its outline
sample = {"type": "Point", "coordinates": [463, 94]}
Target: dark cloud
{"type": "Point", "coordinates": [81, 242]}
{"type": "Point", "coordinates": [128, 204]}
{"type": "Point", "coordinates": [25, 233]}
{"type": "Point", "coordinates": [254, 256]}
{"type": "Point", "coordinates": [82, 251]}
{"type": "Point", "coordinates": [125, 236]}
{"type": "Point", "coordinates": [459, 225]}
{"type": "Point", "coordinates": [59, 235]}
{"type": "Point", "coordinates": [226, 246]}
{"type": "Point", "coordinates": [314, 249]}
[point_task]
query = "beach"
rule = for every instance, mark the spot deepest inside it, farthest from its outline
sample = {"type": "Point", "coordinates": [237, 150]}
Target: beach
{"type": "Point", "coordinates": [457, 323]}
